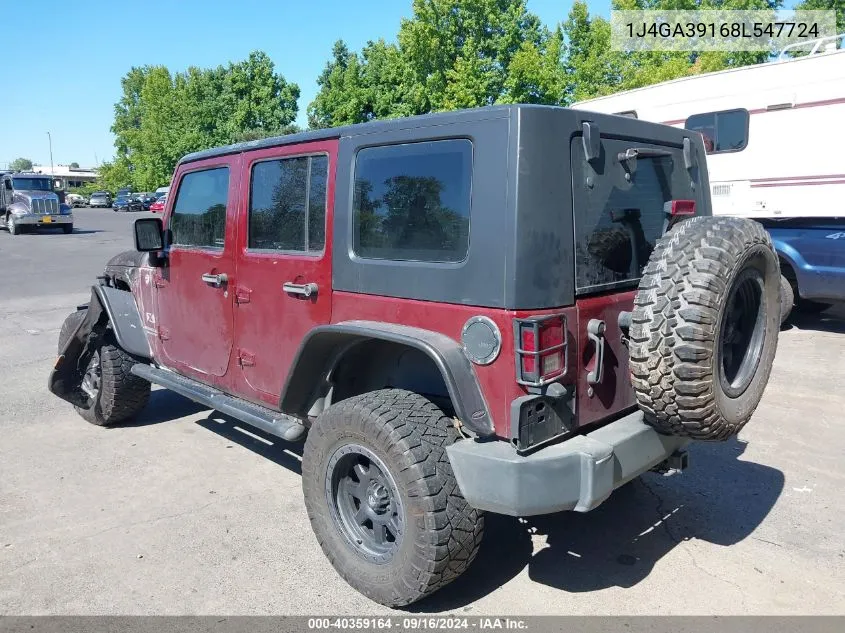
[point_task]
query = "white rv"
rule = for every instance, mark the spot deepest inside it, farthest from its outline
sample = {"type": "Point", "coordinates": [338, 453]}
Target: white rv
{"type": "Point", "coordinates": [775, 132]}
{"type": "Point", "coordinates": [775, 139]}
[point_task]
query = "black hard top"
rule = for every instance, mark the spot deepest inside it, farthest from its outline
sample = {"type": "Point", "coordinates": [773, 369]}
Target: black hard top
{"type": "Point", "coordinates": [521, 252]}
{"type": "Point", "coordinates": [393, 125]}
{"type": "Point", "coordinates": [373, 127]}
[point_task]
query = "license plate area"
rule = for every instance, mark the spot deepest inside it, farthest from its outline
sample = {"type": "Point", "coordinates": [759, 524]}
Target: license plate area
{"type": "Point", "coordinates": [47, 219]}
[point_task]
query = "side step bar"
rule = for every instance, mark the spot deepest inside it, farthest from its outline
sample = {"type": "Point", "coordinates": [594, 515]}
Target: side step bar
{"type": "Point", "coordinates": [269, 421]}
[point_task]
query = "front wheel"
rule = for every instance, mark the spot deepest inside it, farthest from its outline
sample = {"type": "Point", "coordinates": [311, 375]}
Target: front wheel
{"type": "Point", "coordinates": [382, 498]}
{"type": "Point", "coordinates": [14, 227]}
{"type": "Point", "coordinates": [112, 391]}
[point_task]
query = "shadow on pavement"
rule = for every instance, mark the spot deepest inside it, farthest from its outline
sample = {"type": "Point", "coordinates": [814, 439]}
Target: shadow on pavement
{"type": "Point", "coordinates": [285, 454]}
{"type": "Point", "coordinates": [164, 406]}
{"type": "Point", "coordinates": [720, 500]}
{"type": "Point", "coordinates": [830, 320]}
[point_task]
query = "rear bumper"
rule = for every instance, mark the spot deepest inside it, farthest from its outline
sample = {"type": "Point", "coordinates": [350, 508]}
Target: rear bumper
{"type": "Point", "coordinates": [577, 474]}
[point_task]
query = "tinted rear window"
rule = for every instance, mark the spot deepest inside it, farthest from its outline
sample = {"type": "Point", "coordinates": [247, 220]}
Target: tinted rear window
{"type": "Point", "coordinates": [412, 201]}
{"type": "Point", "coordinates": [618, 221]}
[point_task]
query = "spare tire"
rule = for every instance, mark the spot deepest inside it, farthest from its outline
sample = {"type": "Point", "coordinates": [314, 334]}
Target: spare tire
{"type": "Point", "coordinates": [704, 328]}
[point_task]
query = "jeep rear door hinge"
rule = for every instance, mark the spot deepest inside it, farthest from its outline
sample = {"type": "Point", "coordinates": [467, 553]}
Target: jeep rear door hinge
{"type": "Point", "coordinates": [246, 359]}
{"type": "Point", "coordinates": [242, 295]}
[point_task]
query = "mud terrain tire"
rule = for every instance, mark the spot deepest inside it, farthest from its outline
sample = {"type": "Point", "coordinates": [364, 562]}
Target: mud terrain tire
{"type": "Point", "coordinates": [405, 435]}
{"type": "Point", "coordinates": [120, 394]}
{"type": "Point", "coordinates": [705, 326]}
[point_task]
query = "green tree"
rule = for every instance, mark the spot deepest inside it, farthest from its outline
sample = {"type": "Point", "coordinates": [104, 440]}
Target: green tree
{"type": "Point", "coordinates": [161, 116]}
{"type": "Point", "coordinates": [826, 5]}
{"type": "Point", "coordinates": [21, 164]}
{"type": "Point", "coordinates": [450, 54]}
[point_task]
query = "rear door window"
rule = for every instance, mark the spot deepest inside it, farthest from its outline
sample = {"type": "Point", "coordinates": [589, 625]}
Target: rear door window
{"type": "Point", "coordinates": [412, 201]}
{"type": "Point", "coordinates": [617, 221]}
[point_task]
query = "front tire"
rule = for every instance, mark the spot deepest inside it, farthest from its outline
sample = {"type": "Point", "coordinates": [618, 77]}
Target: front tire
{"type": "Point", "coordinates": [113, 392]}
{"type": "Point", "coordinates": [382, 499]}
{"type": "Point", "coordinates": [14, 227]}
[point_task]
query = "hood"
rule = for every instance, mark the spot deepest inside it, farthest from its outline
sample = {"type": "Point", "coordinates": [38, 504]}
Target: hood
{"type": "Point", "coordinates": [128, 259]}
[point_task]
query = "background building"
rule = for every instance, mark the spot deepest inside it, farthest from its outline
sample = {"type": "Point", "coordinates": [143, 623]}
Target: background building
{"type": "Point", "coordinates": [67, 177]}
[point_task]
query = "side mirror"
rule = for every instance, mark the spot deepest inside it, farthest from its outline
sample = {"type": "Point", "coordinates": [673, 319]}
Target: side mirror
{"type": "Point", "coordinates": [149, 235]}
{"type": "Point", "coordinates": [8, 185]}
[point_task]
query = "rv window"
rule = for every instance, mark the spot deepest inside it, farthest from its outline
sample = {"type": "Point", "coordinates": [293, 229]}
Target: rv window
{"type": "Point", "coordinates": [722, 131]}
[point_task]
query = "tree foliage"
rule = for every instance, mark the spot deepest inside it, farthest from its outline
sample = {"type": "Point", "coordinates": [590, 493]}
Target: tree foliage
{"type": "Point", "coordinates": [465, 53]}
{"type": "Point", "coordinates": [20, 164]}
{"type": "Point", "coordinates": [826, 5]}
{"type": "Point", "coordinates": [450, 54]}
{"type": "Point", "coordinates": [162, 116]}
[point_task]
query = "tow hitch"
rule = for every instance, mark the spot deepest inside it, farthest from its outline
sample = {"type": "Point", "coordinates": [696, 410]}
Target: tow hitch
{"type": "Point", "coordinates": [675, 464]}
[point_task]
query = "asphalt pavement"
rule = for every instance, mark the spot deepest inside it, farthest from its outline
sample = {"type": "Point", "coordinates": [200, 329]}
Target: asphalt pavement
{"type": "Point", "coordinates": [182, 511]}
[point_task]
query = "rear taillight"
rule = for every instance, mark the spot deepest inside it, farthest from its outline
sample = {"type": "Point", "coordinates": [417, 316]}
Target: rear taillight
{"type": "Point", "coordinates": [679, 207]}
{"type": "Point", "coordinates": [540, 349]}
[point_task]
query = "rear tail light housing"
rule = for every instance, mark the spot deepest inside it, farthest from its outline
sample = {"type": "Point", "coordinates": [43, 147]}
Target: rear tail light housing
{"type": "Point", "coordinates": [679, 207]}
{"type": "Point", "coordinates": [541, 349]}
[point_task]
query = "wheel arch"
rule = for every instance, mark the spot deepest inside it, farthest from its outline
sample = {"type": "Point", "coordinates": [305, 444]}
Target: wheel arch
{"type": "Point", "coordinates": [329, 352]}
{"type": "Point", "coordinates": [108, 307]}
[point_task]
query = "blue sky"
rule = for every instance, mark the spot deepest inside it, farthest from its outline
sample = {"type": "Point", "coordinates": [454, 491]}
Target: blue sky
{"type": "Point", "coordinates": [62, 73]}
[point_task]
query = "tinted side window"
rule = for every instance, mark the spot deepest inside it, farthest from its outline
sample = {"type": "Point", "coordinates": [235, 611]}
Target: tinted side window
{"type": "Point", "coordinates": [412, 201]}
{"type": "Point", "coordinates": [618, 221]}
{"type": "Point", "coordinates": [199, 214]}
{"type": "Point", "coordinates": [287, 206]}
{"type": "Point", "coordinates": [722, 131]}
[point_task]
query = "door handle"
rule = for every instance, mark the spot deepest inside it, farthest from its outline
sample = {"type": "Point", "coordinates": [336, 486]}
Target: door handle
{"type": "Point", "coordinates": [215, 280]}
{"type": "Point", "coordinates": [595, 332]}
{"type": "Point", "coordinates": [306, 290]}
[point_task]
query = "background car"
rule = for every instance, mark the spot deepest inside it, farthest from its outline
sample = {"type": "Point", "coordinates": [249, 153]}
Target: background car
{"type": "Point", "coordinates": [158, 205]}
{"type": "Point", "coordinates": [127, 203]}
{"type": "Point", "coordinates": [146, 199]}
{"type": "Point", "coordinates": [100, 199]}
{"type": "Point", "coordinates": [75, 200]}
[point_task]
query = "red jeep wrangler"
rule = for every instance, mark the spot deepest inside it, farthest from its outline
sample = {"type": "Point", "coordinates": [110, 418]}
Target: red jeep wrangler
{"type": "Point", "coordinates": [512, 309]}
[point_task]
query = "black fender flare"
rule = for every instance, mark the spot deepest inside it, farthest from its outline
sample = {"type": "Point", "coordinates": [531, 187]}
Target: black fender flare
{"type": "Point", "coordinates": [108, 306]}
{"type": "Point", "coordinates": [324, 345]}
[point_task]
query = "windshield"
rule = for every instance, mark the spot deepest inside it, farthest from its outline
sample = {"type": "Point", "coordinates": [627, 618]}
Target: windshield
{"type": "Point", "coordinates": [31, 184]}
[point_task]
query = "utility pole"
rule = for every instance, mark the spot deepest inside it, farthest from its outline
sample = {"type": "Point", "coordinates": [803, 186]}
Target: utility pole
{"type": "Point", "coordinates": [52, 175]}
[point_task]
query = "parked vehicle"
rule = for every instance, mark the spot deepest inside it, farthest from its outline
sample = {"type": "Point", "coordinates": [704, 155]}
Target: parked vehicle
{"type": "Point", "coordinates": [456, 325]}
{"type": "Point", "coordinates": [158, 205]}
{"type": "Point", "coordinates": [762, 127]}
{"type": "Point", "coordinates": [146, 199]}
{"type": "Point", "coordinates": [100, 199]}
{"type": "Point", "coordinates": [75, 200]}
{"type": "Point", "coordinates": [161, 191]}
{"type": "Point", "coordinates": [29, 202]}
{"type": "Point", "coordinates": [127, 202]}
